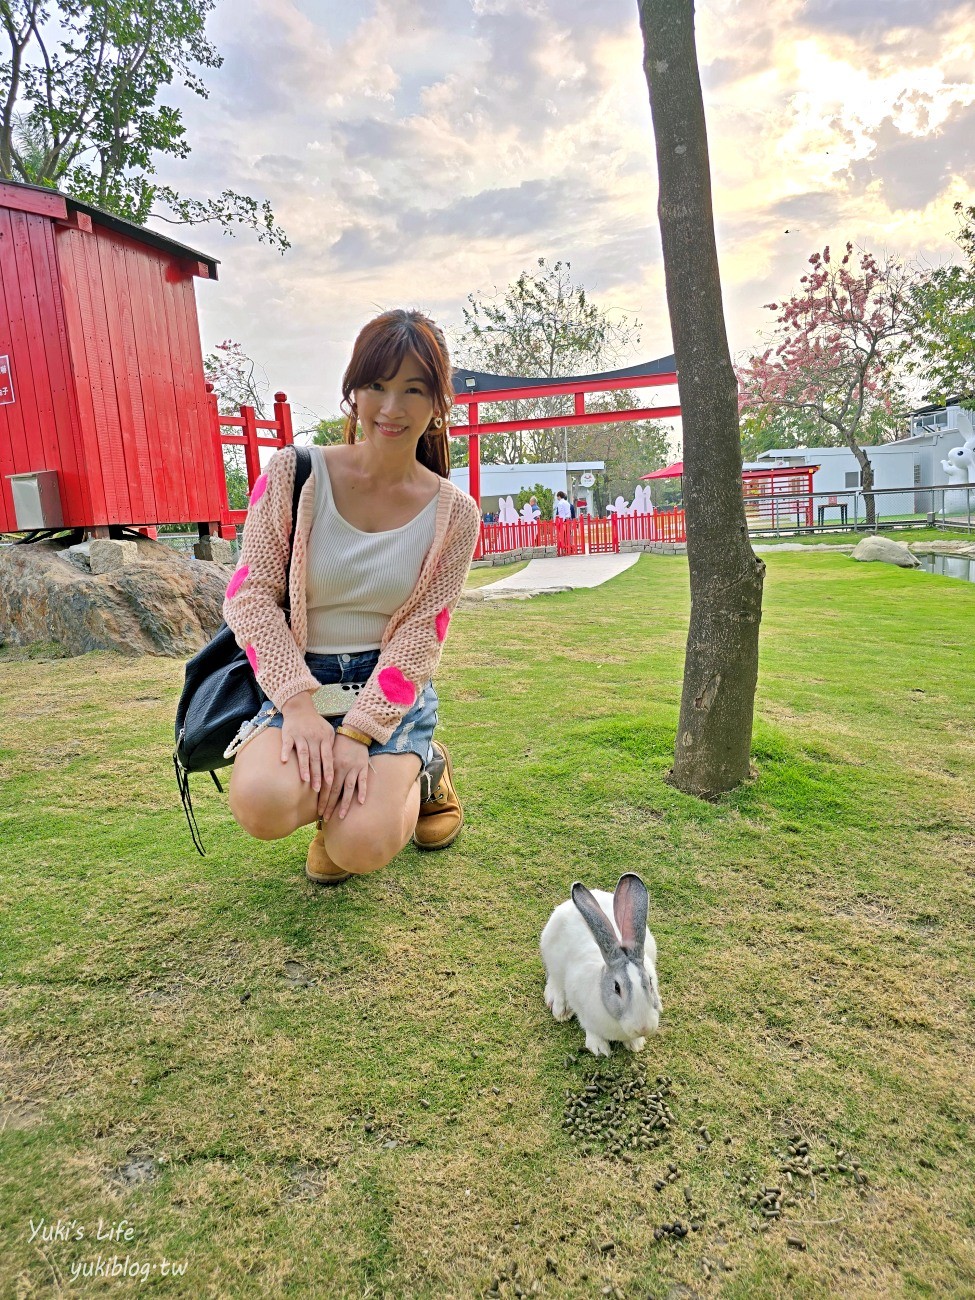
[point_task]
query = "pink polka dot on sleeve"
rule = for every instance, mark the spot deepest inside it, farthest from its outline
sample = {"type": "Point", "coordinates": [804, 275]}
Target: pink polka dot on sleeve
{"type": "Point", "coordinates": [237, 581]}
{"type": "Point", "coordinates": [443, 621]}
{"type": "Point", "coordinates": [258, 490]}
{"type": "Point", "coordinates": [251, 654]}
{"type": "Point", "coordinates": [396, 688]}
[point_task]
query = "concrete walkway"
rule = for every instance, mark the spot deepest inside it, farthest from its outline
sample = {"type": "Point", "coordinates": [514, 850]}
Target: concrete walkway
{"type": "Point", "coordinates": [564, 573]}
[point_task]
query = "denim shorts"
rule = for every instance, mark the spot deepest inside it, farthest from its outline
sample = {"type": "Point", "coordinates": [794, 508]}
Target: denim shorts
{"type": "Point", "coordinates": [413, 735]}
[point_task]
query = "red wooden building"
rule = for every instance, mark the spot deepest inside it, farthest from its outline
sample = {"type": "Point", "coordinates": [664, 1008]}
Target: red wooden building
{"type": "Point", "coordinates": [104, 382]}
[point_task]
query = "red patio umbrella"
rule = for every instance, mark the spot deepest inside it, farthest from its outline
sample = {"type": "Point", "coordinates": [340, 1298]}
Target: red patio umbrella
{"type": "Point", "coordinates": [669, 471]}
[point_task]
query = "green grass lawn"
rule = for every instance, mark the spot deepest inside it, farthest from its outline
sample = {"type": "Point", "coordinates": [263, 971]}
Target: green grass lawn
{"type": "Point", "coordinates": [359, 1092]}
{"type": "Point", "coordinates": [851, 537]}
{"type": "Point", "coordinates": [481, 577]}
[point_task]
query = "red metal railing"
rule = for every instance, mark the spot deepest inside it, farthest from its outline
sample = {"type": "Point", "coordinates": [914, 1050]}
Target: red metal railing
{"type": "Point", "coordinates": [664, 526]}
{"type": "Point", "coordinates": [602, 535]}
{"type": "Point", "coordinates": [581, 535]}
{"type": "Point", "coordinates": [251, 441]}
{"type": "Point", "coordinates": [496, 539]}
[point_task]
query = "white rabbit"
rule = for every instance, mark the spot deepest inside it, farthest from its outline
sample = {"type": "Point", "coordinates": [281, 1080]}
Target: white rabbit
{"type": "Point", "coordinates": [603, 973]}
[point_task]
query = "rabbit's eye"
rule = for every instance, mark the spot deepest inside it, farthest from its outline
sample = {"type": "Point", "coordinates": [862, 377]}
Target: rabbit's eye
{"type": "Point", "coordinates": [619, 991]}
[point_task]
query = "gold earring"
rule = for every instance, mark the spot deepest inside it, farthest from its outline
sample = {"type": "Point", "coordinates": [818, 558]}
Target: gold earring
{"type": "Point", "coordinates": [438, 422]}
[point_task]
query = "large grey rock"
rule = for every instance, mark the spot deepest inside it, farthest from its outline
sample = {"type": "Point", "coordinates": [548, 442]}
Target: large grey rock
{"type": "Point", "coordinates": [166, 604]}
{"type": "Point", "coordinates": [886, 551]}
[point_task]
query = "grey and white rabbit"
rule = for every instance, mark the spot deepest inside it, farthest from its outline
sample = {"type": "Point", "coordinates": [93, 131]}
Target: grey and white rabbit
{"type": "Point", "coordinates": [600, 960]}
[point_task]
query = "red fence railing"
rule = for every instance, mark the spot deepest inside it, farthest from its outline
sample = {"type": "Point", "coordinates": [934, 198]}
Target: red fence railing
{"type": "Point", "coordinates": [664, 526]}
{"type": "Point", "coordinates": [581, 535]}
{"type": "Point", "coordinates": [250, 439]}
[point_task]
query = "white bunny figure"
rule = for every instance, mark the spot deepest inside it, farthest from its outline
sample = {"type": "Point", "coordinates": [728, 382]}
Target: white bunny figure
{"type": "Point", "coordinates": [600, 960]}
{"type": "Point", "coordinates": [965, 458]}
{"type": "Point", "coordinates": [955, 502]}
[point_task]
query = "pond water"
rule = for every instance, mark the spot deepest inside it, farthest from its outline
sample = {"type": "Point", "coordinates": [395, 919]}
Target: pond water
{"type": "Point", "coordinates": [949, 566]}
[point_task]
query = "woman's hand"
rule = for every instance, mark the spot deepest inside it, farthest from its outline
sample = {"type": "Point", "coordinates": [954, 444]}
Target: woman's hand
{"type": "Point", "coordinates": [312, 738]}
{"type": "Point", "coordinates": [351, 771]}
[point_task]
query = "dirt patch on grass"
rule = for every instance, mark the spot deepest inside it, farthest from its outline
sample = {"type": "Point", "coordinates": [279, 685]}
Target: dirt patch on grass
{"type": "Point", "coordinates": [18, 1115]}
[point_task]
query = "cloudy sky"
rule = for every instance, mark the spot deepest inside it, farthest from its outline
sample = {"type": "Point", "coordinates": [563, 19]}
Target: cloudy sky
{"type": "Point", "coordinates": [417, 151]}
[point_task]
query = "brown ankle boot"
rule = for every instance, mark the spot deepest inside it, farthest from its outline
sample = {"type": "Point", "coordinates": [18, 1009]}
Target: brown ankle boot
{"type": "Point", "coordinates": [441, 816]}
{"type": "Point", "coordinates": [319, 867]}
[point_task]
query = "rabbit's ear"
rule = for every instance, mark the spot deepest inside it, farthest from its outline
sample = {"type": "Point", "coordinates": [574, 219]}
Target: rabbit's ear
{"type": "Point", "coordinates": [631, 902]}
{"type": "Point", "coordinates": [598, 922]}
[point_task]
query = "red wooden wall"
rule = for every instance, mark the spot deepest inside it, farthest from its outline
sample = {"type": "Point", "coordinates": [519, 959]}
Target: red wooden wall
{"type": "Point", "coordinates": [107, 371]}
{"type": "Point", "coordinates": [40, 428]}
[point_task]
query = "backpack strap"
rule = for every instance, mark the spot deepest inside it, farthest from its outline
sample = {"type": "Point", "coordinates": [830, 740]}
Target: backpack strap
{"type": "Point", "coordinates": [302, 471]}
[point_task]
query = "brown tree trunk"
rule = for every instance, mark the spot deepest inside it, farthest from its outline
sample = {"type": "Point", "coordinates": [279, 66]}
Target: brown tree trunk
{"type": "Point", "coordinates": [866, 483]}
{"type": "Point", "coordinates": [721, 662]}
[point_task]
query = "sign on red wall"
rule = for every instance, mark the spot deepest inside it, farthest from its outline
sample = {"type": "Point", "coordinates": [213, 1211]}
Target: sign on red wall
{"type": "Point", "coordinates": [6, 383]}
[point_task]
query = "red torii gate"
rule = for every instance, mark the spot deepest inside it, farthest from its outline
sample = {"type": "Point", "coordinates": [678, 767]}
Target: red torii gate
{"type": "Point", "coordinates": [472, 388]}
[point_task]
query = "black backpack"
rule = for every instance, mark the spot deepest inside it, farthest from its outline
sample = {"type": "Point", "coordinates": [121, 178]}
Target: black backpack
{"type": "Point", "coordinates": [220, 691]}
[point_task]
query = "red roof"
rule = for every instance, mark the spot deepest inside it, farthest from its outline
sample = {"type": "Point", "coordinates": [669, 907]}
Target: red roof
{"type": "Point", "coordinates": [789, 471]}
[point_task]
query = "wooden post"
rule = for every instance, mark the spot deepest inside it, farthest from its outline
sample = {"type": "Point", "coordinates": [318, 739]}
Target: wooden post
{"type": "Point", "coordinates": [252, 455]}
{"type": "Point", "coordinates": [282, 417]}
{"type": "Point", "coordinates": [217, 528]}
{"type": "Point", "coordinates": [474, 455]}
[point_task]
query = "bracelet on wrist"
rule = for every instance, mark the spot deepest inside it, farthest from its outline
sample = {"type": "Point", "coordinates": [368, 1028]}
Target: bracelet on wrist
{"type": "Point", "coordinates": [354, 733]}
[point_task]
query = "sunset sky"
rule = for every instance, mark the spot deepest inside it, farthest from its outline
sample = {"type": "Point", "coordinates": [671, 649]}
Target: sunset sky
{"type": "Point", "coordinates": [417, 151]}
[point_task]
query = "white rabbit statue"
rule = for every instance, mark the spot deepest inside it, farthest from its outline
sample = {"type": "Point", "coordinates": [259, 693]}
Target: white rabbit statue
{"type": "Point", "coordinates": [965, 458]}
{"type": "Point", "coordinates": [956, 503]}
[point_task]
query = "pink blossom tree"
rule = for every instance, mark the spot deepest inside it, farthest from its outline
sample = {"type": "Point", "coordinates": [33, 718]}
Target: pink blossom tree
{"type": "Point", "coordinates": [237, 380]}
{"type": "Point", "coordinates": [835, 353]}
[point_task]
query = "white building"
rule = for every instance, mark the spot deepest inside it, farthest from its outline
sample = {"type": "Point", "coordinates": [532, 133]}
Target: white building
{"type": "Point", "coordinates": [507, 480]}
{"type": "Point", "coordinates": [914, 461]}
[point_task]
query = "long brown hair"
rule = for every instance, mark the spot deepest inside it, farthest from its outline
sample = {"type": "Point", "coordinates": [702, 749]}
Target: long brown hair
{"type": "Point", "coordinates": [378, 354]}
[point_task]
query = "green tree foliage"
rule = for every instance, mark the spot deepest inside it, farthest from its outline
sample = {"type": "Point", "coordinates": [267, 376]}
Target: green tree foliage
{"type": "Point", "coordinates": [628, 450]}
{"type": "Point", "coordinates": [235, 472]}
{"type": "Point", "coordinates": [327, 433]}
{"type": "Point", "coordinates": [941, 347]}
{"type": "Point", "coordinates": [771, 428]}
{"type": "Point", "coordinates": [543, 495]}
{"type": "Point", "coordinates": [541, 326]}
{"type": "Point", "coordinates": [79, 110]}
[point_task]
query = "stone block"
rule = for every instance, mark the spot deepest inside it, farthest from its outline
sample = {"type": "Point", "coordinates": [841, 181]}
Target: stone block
{"type": "Point", "coordinates": [215, 549]}
{"type": "Point", "coordinates": [106, 555]}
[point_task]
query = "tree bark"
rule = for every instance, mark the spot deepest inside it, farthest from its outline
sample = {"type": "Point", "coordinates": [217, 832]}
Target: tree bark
{"type": "Point", "coordinates": [866, 482]}
{"type": "Point", "coordinates": [721, 661]}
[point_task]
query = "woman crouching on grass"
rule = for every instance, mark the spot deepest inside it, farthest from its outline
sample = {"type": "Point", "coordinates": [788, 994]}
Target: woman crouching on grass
{"type": "Point", "coordinates": [383, 543]}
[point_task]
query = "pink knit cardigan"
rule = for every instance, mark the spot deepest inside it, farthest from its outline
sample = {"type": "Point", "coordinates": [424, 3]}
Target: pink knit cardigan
{"type": "Point", "coordinates": [414, 637]}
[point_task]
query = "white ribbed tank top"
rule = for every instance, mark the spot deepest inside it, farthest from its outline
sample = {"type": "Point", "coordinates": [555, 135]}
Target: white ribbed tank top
{"type": "Point", "coordinates": [356, 581]}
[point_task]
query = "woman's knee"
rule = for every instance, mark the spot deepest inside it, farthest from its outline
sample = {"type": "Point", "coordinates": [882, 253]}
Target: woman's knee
{"type": "Point", "coordinates": [359, 849]}
{"type": "Point", "coordinates": [263, 808]}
